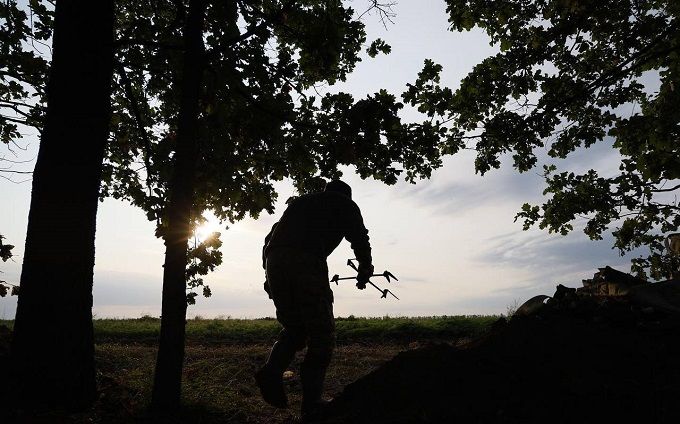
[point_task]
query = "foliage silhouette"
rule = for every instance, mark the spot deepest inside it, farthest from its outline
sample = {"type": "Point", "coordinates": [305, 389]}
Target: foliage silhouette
{"type": "Point", "coordinates": [5, 255]}
{"type": "Point", "coordinates": [23, 69]}
{"type": "Point", "coordinates": [256, 122]}
{"type": "Point", "coordinates": [567, 76]}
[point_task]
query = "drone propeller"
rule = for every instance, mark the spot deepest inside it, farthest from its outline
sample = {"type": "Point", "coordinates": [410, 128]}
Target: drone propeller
{"type": "Point", "coordinates": [385, 292]}
{"type": "Point", "coordinates": [388, 276]}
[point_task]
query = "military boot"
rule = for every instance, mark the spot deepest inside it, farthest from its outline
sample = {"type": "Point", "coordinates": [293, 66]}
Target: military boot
{"type": "Point", "coordinates": [313, 376]}
{"type": "Point", "coordinates": [269, 378]}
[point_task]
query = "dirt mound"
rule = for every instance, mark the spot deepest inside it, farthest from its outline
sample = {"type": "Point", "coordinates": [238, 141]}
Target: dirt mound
{"type": "Point", "coordinates": [585, 360]}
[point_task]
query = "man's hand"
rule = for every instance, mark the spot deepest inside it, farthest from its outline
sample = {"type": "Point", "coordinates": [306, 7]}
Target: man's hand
{"type": "Point", "coordinates": [363, 276]}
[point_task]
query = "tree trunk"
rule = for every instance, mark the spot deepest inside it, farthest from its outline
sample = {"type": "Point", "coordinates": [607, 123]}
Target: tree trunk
{"type": "Point", "coordinates": [53, 346]}
{"type": "Point", "coordinates": [168, 376]}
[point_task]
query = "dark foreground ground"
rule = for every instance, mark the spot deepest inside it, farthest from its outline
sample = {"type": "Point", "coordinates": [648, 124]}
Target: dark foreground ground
{"type": "Point", "coordinates": [573, 360]}
{"type": "Point", "coordinates": [222, 355]}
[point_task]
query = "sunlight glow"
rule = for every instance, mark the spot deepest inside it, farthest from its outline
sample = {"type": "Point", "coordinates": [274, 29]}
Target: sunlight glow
{"type": "Point", "coordinates": [211, 225]}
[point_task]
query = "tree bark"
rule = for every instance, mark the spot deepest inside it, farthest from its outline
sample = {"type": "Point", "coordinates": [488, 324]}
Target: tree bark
{"type": "Point", "coordinates": [53, 346]}
{"type": "Point", "coordinates": [166, 393]}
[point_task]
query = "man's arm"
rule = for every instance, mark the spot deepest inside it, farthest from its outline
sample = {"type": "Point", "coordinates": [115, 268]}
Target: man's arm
{"type": "Point", "coordinates": [264, 259]}
{"type": "Point", "coordinates": [357, 234]}
{"type": "Point", "coordinates": [266, 242]}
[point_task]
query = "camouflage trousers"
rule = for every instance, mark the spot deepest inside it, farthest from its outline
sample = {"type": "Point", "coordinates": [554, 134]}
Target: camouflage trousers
{"type": "Point", "coordinates": [298, 284]}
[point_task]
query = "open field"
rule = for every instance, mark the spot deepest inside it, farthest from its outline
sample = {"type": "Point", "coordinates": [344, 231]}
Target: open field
{"type": "Point", "coordinates": [222, 355]}
{"type": "Point", "coordinates": [236, 331]}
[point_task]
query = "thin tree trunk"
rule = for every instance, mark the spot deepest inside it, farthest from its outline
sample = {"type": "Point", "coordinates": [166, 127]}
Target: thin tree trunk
{"type": "Point", "coordinates": [168, 376]}
{"type": "Point", "coordinates": [53, 346]}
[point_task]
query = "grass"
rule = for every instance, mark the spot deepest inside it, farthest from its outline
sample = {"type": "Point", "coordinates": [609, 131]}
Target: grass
{"type": "Point", "coordinates": [223, 354]}
{"type": "Point", "coordinates": [217, 384]}
{"type": "Point", "coordinates": [248, 331]}
{"type": "Point", "coordinates": [349, 330]}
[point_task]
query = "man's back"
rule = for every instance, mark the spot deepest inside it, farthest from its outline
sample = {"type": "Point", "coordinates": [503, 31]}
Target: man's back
{"type": "Point", "coordinates": [316, 223]}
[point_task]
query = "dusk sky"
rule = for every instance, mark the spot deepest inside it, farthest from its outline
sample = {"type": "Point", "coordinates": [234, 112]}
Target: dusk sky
{"type": "Point", "coordinates": [450, 240]}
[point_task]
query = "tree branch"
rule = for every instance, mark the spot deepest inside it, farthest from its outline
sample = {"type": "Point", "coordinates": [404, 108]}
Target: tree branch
{"type": "Point", "coordinates": [620, 71]}
{"type": "Point", "coordinates": [15, 120]}
{"type": "Point", "coordinates": [19, 77]}
{"type": "Point", "coordinates": [127, 85]}
{"type": "Point", "coordinates": [13, 181]}
{"type": "Point", "coordinates": [384, 11]}
{"type": "Point", "coordinates": [252, 30]}
{"type": "Point", "coordinates": [15, 172]}
{"type": "Point", "coordinates": [662, 190]}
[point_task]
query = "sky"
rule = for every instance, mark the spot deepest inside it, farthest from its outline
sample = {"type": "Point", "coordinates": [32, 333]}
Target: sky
{"type": "Point", "coordinates": [451, 240]}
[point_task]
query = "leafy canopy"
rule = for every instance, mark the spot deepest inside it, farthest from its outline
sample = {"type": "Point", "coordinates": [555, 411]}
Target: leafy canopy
{"type": "Point", "coordinates": [569, 74]}
{"type": "Point", "coordinates": [24, 61]}
{"type": "Point", "coordinates": [23, 69]}
{"type": "Point", "coordinates": [24, 30]}
{"type": "Point", "coordinates": [258, 121]}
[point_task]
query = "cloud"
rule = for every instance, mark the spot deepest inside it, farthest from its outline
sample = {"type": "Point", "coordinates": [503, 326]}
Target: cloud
{"type": "Point", "coordinates": [550, 259]}
{"type": "Point", "coordinates": [456, 196]}
{"type": "Point", "coordinates": [541, 250]}
{"type": "Point", "coordinates": [455, 188]}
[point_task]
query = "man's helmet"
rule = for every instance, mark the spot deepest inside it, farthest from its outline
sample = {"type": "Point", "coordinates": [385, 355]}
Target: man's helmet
{"type": "Point", "coordinates": [339, 187]}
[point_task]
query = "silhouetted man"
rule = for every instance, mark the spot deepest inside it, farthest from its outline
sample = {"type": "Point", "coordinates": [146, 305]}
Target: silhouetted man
{"type": "Point", "coordinates": [294, 257]}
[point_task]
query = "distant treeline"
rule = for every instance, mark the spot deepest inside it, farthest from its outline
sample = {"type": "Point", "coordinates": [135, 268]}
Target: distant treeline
{"type": "Point", "coordinates": [349, 330]}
